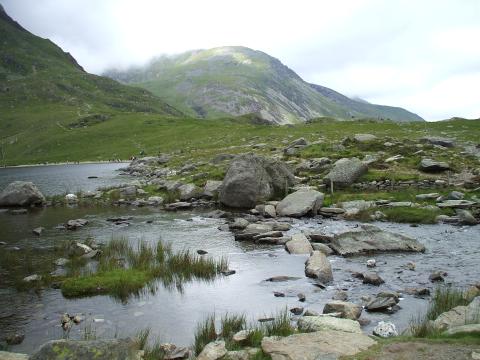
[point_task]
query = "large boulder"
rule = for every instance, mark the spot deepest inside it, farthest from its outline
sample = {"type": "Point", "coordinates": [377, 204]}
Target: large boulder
{"type": "Point", "coordinates": [21, 193]}
{"type": "Point", "coordinates": [189, 191]}
{"type": "Point", "coordinates": [371, 239]}
{"type": "Point", "coordinates": [345, 172]}
{"type": "Point", "coordinates": [212, 188]}
{"type": "Point", "coordinates": [316, 345]}
{"type": "Point", "coordinates": [120, 349]}
{"type": "Point", "coordinates": [317, 323]}
{"type": "Point", "coordinates": [318, 267]}
{"type": "Point", "coordinates": [300, 203]}
{"type": "Point", "coordinates": [459, 315]}
{"type": "Point", "coordinates": [445, 142]}
{"type": "Point", "coordinates": [213, 351]}
{"type": "Point", "coordinates": [299, 244]}
{"type": "Point", "coordinates": [429, 165]}
{"type": "Point", "coordinates": [253, 179]}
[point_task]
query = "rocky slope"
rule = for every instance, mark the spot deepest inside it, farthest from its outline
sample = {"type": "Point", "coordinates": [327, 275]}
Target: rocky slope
{"type": "Point", "coordinates": [238, 80]}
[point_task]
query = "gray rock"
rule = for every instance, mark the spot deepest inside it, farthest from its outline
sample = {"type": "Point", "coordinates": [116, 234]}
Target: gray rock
{"type": "Point", "coordinates": [340, 295]}
{"type": "Point", "coordinates": [347, 310]}
{"type": "Point", "coordinates": [129, 191]}
{"type": "Point", "coordinates": [385, 329]}
{"type": "Point", "coordinates": [239, 224]}
{"type": "Point", "coordinates": [299, 244]}
{"type": "Point", "coordinates": [120, 349]}
{"type": "Point", "coordinates": [328, 345]}
{"type": "Point", "coordinates": [317, 323]}
{"type": "Point", "coordinates": [373, 279]}
{"type": "Point", "coordinates": [32, 278]}
{"type": "Point", "coordinates": [381, 303]}
{"type": "Point", "coordinates": [429, 165]}
{"type": "Point", "coordinates": [459, 316]}
{"type": "Point", "coordinates": [76, 223]}
{"type": "Point", "coordinates": [14, 339]}
{"type": "Point", "coordinates": [21, 193]}
{"type": "Point", "coordinates": [253, 179]}
{"type": "Point", "coordinates": [364, 138]}
{"type": "Point", "coordinates": [180, 205]}
{"type": "Point", "coordinates": [345, 172]}
{"type": "Point", "coordinates": [472, 329]}
{"type": "Point", "coordinates": [212, 188]}
{"type": "Point", "coordinates": [322, 248]}
{"type": "Point", "coordinates": [318, 267]}
{"type": "Point", "coordinates": [465, 217]}
{"type": "Point", "coordinates": [155, 200]}
{"type": "Point", "coordinates": [189, 191]}
{"type": "Point", "coordinates": [355, 206]}
{"type": "Point", "coordinates": [38, 230]}
{"type": "Point", "coordinates": [429, 196]}
{"type": "Point", "coordinates": [445, 142]}
{"type": "Point", "coordinates": [371, 239]}
{"type": "Point", "coordinates": [213, 351]}
{"type": "Point", "coordinates": [456, 195]}
{"type": "Point", "coordinates": [300, 203]}
{"type": "Point", "coordinates": [269, 211]}
{"type": "Point", "coordinates": [456, 204]}
{"type": "Point", "coordinates": [5, 355]}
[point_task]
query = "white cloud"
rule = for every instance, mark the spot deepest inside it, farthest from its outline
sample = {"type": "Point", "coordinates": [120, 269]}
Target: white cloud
{"type": "Point", "coordinates": [398, 52]}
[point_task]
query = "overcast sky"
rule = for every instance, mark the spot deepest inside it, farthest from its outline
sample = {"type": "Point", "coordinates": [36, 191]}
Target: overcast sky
{"type": "Point", "coordinates": [421, 55]}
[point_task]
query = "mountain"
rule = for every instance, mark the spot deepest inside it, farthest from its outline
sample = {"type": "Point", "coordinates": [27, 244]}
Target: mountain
{"type": "Point", "coordinates": [36, 72]}
{"type": "Point", "coordinates": [238, 80]}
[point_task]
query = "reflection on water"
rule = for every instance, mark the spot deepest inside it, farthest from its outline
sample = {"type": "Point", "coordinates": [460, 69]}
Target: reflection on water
{"type": "Point", "coordinates": [61, 179]}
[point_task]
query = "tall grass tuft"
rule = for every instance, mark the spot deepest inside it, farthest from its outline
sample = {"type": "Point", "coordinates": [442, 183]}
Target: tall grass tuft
{"type": "Point", "coordinates": [204, 334]}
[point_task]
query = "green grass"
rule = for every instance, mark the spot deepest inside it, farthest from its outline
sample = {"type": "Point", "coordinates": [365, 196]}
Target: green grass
{"type": "Point", "coordinates": [124, 270]}
{"type": "Point", "coordinates": [204, 334]}
{"type": "Point", "coordinates": [413, 215]}
{"type": "Point", "coordinates": [443, 300]}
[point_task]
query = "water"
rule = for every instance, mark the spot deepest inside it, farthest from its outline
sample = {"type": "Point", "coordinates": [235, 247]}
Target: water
{"type": "Point", "coordinates": [61, 179]}
{"type": "Point", "coordinates": [173, 315]}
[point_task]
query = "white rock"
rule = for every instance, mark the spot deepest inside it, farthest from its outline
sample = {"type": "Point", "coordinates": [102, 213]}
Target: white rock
{"type": "Point", "coordinates": [385, 329]}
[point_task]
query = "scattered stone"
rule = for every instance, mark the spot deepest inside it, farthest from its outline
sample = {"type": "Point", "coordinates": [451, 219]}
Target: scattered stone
{"type": "Point", "coordinates": [21, 193]}
{"type": "Point", "coordinates": [301, 297]}
{"type": "Point", "coordinates": [213, 351]}
{"type": "Point", "coordinates": [352, 208]}
{"type": "Point", "coordinates": [430, 196]}
{"type": "Point", "coordinates": [328, 344]}
{"type": "Point", "coordinates": [239, 224]}
{"type": "Point", "coordinates": [437, 276]}
{"type": "Point", "coordinates": [212, 188]}
{"type": "Point", "coordinates": [202, 252]}
{"type": "Point", "coordinates": [456, 204]}
{"type": "Point", "coordinates": [373, 279]}
{"type": "Point", "coordinates": [14, 339]}
{"type": "Point", "coordinates": [300, 203]}
{"type": "Point", "coordinates": [61, 262]}
{"type": "Point", "coordinates": [177, 353]}
{"type": "Point", "coordinates": [385, 330]}
{"type": "Point", "coordinates": [471, 329]}
{"type": "Point", "coordinates": [465, 217]}
{"type": "Point", "coordinates": [429, 165]}
{"type": "Point", "coordinates": [38, 231]}
{"type": "Point", "coordinates": [345, 172]}
{"type": "Point", "coordinates": [318, 267]}
{"type": "Point", "coordinates": [299, 244]}
{"type": "Point", "coordinates": [180, 205]}
{"type": "Point", "coordinates": [32, 278]}
{"type": "Point", "coordinates": [364, 138]}
{"type": "Point", "coordinates": [297, 310]}
{"type": "Point", "coordinates": [381, 303]}
{"type": "Point", "coordinates": [71, 199]}
{"type": "Point", "coordinates": [456, 195]}
{"type": "Point", "coordinates": [228, 272]}
{"type": "Point", "coordinates": [189, 191]}
{"type": "Point", "coordinates": [278, 294]}
{"type": "Point", "coordinates": [445, 142]}
{"type": "Point", "coordinates": [75, 224]}
{"type": "Point", "coordinates": [321, 238]}
{"type": "Point", "coordinates": [340, 295]}
{"type": "Point", "coordinates": [459, 316]}
{"type": "Point", "coordinates": [347, 310]}
{"type": "Point", "coordinates": [370, 239]}
{"type": "Point", "coordinates": [282, 278]}
{"type": "Point", "coordinates": [371, 263]}
{"type": "Point", "coordinates": [322, 248]}
{"type": "Point", "coordinates": [253, 179]}
{"type": "Point", "coordinates": [4, 355]}
{"type": "Point", "coordinates": [241, 336]}
{"type": "Point", "coordinates": [394, 158]}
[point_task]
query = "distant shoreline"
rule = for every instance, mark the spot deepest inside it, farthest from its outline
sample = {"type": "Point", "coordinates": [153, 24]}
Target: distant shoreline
{"type": "Point", "coordinates": [65, 163]}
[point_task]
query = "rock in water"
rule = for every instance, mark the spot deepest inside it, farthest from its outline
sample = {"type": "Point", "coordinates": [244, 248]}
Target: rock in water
{"type": "Point", "coordinates": [213, 351]}
{"type": "Point", "coordinates": [347, 310]}
{"type": "Point", "coordinates": [371, 239]}
{"type": "Point", "coordinates": [385, 329]}
{"type": "Point", "coordinates": [299, 245]}
{"type": "Point", "coordinates": [253, 179]}
{"type": "Point", "coordinates": [121, 349]}
{"type": "Point", "coordinates": [300, 203]}
{"type": "Point", "coordinates": [318, 267]}
{"type": "Point", "coordinates": [316, 345]}
{"type": "Point", "coordinates": [345, 172]}
{"type": "Point", "coordinates": [4, 355]}
{"type": "Point", "coordinates": [21, 193]}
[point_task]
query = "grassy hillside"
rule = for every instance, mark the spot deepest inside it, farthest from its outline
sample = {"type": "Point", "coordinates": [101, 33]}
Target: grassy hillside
{"type": "Point", "coordinates": [40, 83]}
{"type": "Point", "coordinates": [238, 80]}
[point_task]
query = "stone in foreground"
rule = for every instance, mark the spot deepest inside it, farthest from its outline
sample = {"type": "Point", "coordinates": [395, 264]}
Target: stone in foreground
{"type": "Point", "coordinates": [300, 203]}
{"type": "Point", "coordinates": [21, 193]}
{"type": "Point", "coordinates": [371, 239]}
{"type": "Point", "coordinates": [317, 323]}
{"type": "Point", "coordinates": [82, 350]}
{"type": "Point", "coordinates": [253, 179]}
{"type": "Point", "coordinates": [385, 329]}
{"type": "Point", "coordinates": [4, 355]}
{"type": "Point", "coordinates": [213, 351]}
{"type": "Point", "coordinates": [328, 344]}
{"type": "Point", "coordinates": [347, 310]}
{"type": "Point", "coordinates": [318, 267]}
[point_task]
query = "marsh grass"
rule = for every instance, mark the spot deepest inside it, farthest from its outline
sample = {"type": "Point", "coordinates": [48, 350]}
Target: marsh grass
{"type": "Point", "coordinates": [152, 351]}
{"type": "Point", "coordinates": [230, 324]}
{"type": "Point", "coordinates": [124, 269]}
{"type": "Point", "coordinates": [443, 300]}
